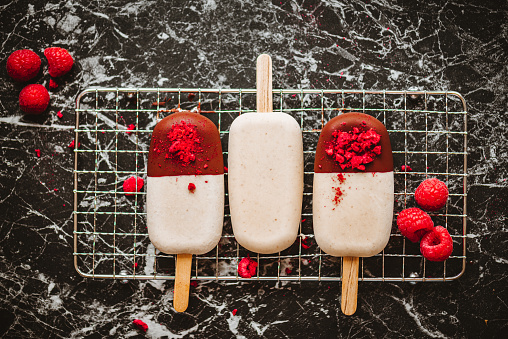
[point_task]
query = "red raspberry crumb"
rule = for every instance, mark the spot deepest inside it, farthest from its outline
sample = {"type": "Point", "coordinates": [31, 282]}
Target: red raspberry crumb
{"type": "Point", "coordinates": [354, 149]}
{"type": "Point", "coordinates": [23, 65]}
{"type": "Point", "coordinates": [59, 61]}
{"type": "Point", "coordinates": [183, 143]}
{"type": "Point", "coordinates": [191, 96]}
{"type": "Point", "coordinates": [432, 194]}
{"type": "Point", "coordinates": [437, 245]}
{"type": "Point", "coordinates": [140, 324]}
{"type": "Point", "coordinates": [73, 144]}
{"type": "Point", "coordinates": [305, 245]}
{"type": "Point", "coordinates": [191, 187]}
{"type": "Point", "coordinates": [59, 114]}
{"type": "Point", "coordinates": [132, 185]}
{"type": "Point", "coordinates": [52, 84]}
{"type": "Point", "coordinates": [194, 283]}
{"type": "Point", "coordinates": [34, 99]}
{"type": "Point", "coordinates": [247, 267]}
{"type": "Point", "coordinates": [38, 152]}
{"type": "Point", "coordinates": [288, 270]}
{"type": "Point", "coordinates": [413, 223]}
{"type": "Point", "coordinates": [225, 169]}
{"type": "Point", "coordinates": [234, 311]}
{"type": "Point", "coordinates": [406, 168]}
{"type": "Point", "coordinates": [130, 128]}
{"type": "Point", "coordinates": [303, 220]}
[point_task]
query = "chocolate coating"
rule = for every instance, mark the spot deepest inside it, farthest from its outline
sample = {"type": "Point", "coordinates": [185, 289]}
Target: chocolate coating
{"type": "Point", "coordinates": [323, 163]}
{"type": "Point", "coordinates": [208, 161]}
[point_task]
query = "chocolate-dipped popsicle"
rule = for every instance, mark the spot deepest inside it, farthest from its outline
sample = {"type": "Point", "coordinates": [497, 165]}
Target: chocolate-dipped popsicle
{"type": "Point", "coordinates": [353, 193]}
{"type": "Point", "coordinates": [185, 192]}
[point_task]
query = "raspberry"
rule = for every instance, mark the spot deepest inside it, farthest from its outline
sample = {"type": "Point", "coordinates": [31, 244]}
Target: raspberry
{"type": "Point", "coordinates": [129, 185]}
{"type": "Point", "coordinates": [59, 61]}
{"type": "Point", "coordinates": [437, 245]}
{"type": "Point", "coordinates": [34, 99]}
{"type": "Point", "coordinates": [432, 194]}
{"type": "Point", "coordinates": [247, 267]}
{"type": "Point", "coordinates": [52, 84]}
{"type": "Point", "coordinates": [191, 187]}
{"type": "Point", "coordinates": [23, 65]}
{"type": "Point", "coordinates": [414, 223]}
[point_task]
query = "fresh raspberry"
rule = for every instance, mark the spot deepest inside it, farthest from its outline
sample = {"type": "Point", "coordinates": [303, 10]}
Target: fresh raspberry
{"type": "Point", "coordinates": [23, 65]}
{"type": "Point", "coordinates": [437, 245]}
{"type": "Point", "coordinates": [432, 194]}
{"type": "Point", "coordinates": [59, 61]}
{"type": "Point", "coordinates": [129, 185]}
{"type": "Point", "coordinates": [414, 223]}
{"type": "Point", "coordinates": [247, 267]}
{"type": "Point", "coordinates": [34, 99]}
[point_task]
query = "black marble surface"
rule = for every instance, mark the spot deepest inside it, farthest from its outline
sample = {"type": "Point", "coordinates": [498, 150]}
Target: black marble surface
{"type": "Point", "coordinates": [444, 45]}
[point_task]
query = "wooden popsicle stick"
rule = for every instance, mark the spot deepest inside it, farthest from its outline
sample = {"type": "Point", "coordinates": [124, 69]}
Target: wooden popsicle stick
{"type": "Point", "coordinates": [264, 100]}
{"type": "Point", "coordinates": [349, 285]}
{"type": "Point", "coordinates": [182, 282]}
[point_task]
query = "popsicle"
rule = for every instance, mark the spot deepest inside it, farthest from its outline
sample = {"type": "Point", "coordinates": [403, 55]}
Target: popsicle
{"type": "Point", "coordinates": [353, 194]}
{"type": "Point", "coordinates": [185, 192]}
{"type": "Point", "coordinates": [265, 176]}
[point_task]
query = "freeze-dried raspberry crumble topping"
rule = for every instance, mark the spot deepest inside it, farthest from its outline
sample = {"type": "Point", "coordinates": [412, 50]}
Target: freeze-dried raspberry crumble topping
{"type": "Point", "coordinates": [355, 148]}
{"type": "Point", "coordinates": [184, 143]}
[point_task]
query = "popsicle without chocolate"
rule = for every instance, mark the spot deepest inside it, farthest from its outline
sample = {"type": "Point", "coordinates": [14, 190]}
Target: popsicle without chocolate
{"type": "Point", "coordinates": [185, 191]}
{"type": "Point", "coordinates": [265, 177]}
{"type": "Point", "coordinates": [353, 191]}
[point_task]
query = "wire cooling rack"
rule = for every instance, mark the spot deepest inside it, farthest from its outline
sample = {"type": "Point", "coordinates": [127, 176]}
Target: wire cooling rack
{"type": "Point", "coordinates": [428, 132]}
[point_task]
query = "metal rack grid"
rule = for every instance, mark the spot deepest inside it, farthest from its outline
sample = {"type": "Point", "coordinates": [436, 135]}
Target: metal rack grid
{"type": "Point", "coordinates": [428, 131]}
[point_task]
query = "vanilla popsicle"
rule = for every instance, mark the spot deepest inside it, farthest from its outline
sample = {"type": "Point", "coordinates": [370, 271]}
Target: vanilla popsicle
{"type": "Point", "coordinates": [185, 188]}
{"type": "Point", "coordinates": [353, 188]}
{"type": "Point", "coordinates": [265, 177]}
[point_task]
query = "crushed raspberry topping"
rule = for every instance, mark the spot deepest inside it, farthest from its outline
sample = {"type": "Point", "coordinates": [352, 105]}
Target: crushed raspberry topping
{"type": "Point", "coordinates": [191, 187]}
{"type": "Point", "coordinates": [234, 311]}
{"type": "Point", "coordinates": [140, 324]}
{"type": "Point", "coordinates": [38, 152]}
{"type": "Point", "coordinates": [338, 190]}
{"type": "Point", "coordinates": [59, 114]}
{"type": "Point", "coordinates": [354, 149]}
{"type": "Point", "coordinates": [247, 267]}
{"type": "Point", "coordinates": [182, 144]}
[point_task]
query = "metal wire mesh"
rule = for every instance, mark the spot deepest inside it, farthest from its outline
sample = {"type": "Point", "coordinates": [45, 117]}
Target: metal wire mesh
{"type": "Point", "coordinates": [113, 128]}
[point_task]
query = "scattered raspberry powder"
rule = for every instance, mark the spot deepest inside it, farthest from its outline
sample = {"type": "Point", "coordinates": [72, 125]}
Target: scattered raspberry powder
{"type": "Point", "coordinates": [73, 144]}
{"type": "Point", "coordinates": [191, 187]}
{"type": "Point", "coordinates": [184, 143]}
{"type": "Point", "coordinates": [354, 149]}
{"type": "Point", "coordinates": [130, 128]}
{"type": "Point", "coordinates": [140, 324]}
{"type": "Point", "coordinates": [59, 114]}
{"type": "Point", "coordinates": [247, 267]}
{"type": "Point", "coordinates": [305, 245]}
{"type": "Point", "coordinates": [38, 152]}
